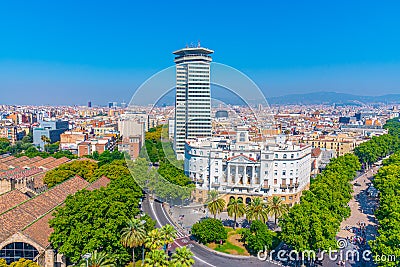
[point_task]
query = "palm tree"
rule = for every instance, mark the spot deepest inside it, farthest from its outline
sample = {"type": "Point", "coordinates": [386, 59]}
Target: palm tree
{"type": "Point", "coordinates": [154, 240]}
{"type": "Point", "coordinates": [133, 235]}
{"type": "Point", "coordinates": [257, 210]}
{"type": "Point", "coordinates": [182, 257]}
{"type": "Point", "coordinates": [156, 258]}
{"type": "Point", "coordinates": [168, 234]}
{"type": "Point", "coordinates": [236, 209]}
{"type": "Point", "coordinates": [46, 140]}
{"type": "Point", "coordinates": [214, 204]}
{"type": "Point", "coordinates": [276, 207]}
{"type": "Point", "coordinates": [98, 259]}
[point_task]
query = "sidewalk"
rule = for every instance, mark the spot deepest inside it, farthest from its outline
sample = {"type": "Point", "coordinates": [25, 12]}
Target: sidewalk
{"type": "Point", "coordinates": [362, 223]}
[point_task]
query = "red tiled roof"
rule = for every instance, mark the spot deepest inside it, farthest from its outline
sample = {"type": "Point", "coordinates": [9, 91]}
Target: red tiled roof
{"type": "Point", "coordinates": [7, 158]}
{"type": "Point", "coordinates": [234, 157]}
{"type": "Point", "coordinates": [22, 215]}
{"type": "Point", "coordinates": [315, 152]}
{"type": "Point", "coordinates": [32, 217]}
{"type": "Point", "coordinates": [101, 182]}
{"type": "Point", "coordinates": [40, 230]}
{"type": "Point", "coordinates": [11, 199]}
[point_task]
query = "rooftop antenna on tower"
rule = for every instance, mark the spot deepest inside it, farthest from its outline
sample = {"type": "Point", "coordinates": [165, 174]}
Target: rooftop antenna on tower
{"type": "Point", "coordinates": [198, 43]}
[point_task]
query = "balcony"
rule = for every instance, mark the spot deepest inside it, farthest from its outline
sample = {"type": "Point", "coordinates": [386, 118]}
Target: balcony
{"type": "Point", "coordinates": [296, 185]}
{"type": "Point", "coordinates": [291, 186]}
{"type": "Point", "coordinates": [284, 186]}
{"type": "Point", "coordinates": [265, 186]}
{"type": "Point", "coordinates": [215, 184]}
{"type": "Point", "coordinates": [200, 181]}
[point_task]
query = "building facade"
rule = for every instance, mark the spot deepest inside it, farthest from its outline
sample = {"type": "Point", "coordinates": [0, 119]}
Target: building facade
{"type": "Point", "coordinates": [193, 96]}
{"type": "Point", "coordinates": [49, 129]}
{"type": "Point", "coordinates": [245, 169]}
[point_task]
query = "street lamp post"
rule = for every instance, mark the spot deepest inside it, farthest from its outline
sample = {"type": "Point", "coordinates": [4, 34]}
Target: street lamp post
{"type": "Point", "coordinates": [87, 256]}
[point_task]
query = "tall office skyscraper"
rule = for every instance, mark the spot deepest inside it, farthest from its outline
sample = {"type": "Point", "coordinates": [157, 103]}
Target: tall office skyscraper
{"type": "Point", "coordinates": [193, 96]}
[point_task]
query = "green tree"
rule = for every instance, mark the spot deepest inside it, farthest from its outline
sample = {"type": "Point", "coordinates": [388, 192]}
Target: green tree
{"type": "Point", "coordinates": [154, 240]}
{"type": "Point", "coordinates": [258, 237]}
{"type": "Point", "coordinates": [214, 204]}
{"type": "Point", "coordinates": [98, 259]}
{"type": "Point", "coordinates": [89, 220]}
{"type": "Point", "coordinates": [236, 209]}
{"type": "Point", "coordinates": [156, 258]}
{"type": "Point", "coordinates": [257, 210]}
{"type": "Point", "coordinates": [83, 168]}
{"type": "Point", "coordinates": [113, 170]}
{"type": "Point", "coordinates": [387, 181]}
{"type": "Point", "coordinates": [313, 224]}
{"type": "Point", "coordinates": [46, 140]}
{"type": "Point", "coordinates": [182, 257]}
{"type": "Point", "coordinates": [133, 235]}
{"type": "Point", "coordinates": [276, 207]}
{"type": "Point", "coordinates": [24, 263]}
{"type": "Point", "coordinates": [168, 234]}
{"type": "Point", "coordinates": [209, 230]}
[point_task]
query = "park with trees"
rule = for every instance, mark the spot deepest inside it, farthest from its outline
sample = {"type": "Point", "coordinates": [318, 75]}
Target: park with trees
{"type": "Point", "coordinates": [107, 223]}
{"type": "Point", "coordinates": [387, 181]}
{"type": "Point", "coordinates": [25, 147]}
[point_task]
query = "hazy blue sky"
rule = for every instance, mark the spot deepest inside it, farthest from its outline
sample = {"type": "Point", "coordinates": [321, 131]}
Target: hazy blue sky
{"type": "Point", "coordinates": [69, 52]}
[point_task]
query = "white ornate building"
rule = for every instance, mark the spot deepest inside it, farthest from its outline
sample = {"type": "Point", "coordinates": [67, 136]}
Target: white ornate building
{"type": "Point", "coordinates": [241, 168]}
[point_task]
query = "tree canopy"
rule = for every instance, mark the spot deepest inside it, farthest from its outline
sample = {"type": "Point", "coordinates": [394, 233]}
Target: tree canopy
{"type": "Point", "coordinates": [258, 237]}
{"type": "Point", "coordinates": [91, 220]}
{"type": "Point", "coordinates": [313, 224]}
{"type": "Point", "coordinates": [387, 181]}
{"type": "Point", "coordinates": [209, 230]}
{"type": "Point", "coordinates": [83, 168]}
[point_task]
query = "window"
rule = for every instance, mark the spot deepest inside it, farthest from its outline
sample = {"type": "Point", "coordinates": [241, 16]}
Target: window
{"type": "Point", "coordinates": [275, 181]}
{"type": "Point", "coordinates": [292, 156]}
{"type": "Point", "coordinates": [284, 156]}
{"type": "Point", "coordinates": [266, 157]}
{"type": "Point", "coordinates": [14, 251]}
{"type": "Point", "coordinates": [276, 156]}
{"type": "Point", "coordinates": [276, 164]}
{"type": "Point", "coordinates": [242, 137]}
{"type": "Point", "coordinates": [275, 172]}
{"type": "Point", "coordinates": [283, 173]}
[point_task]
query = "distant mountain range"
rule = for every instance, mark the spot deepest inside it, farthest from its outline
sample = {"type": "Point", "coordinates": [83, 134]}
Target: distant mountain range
{"type": "Point", "coordinates": [328, 98]}
{"type": "Point", "coordinates": [333, 98]}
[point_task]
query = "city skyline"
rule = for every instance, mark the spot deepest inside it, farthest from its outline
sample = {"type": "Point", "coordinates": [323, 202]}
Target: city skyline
{"type": "Point", "coordinates": [69, 54]}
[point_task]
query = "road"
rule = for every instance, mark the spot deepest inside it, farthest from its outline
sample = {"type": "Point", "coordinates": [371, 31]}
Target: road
{"type": "Point", "coordinates": [203, 256]}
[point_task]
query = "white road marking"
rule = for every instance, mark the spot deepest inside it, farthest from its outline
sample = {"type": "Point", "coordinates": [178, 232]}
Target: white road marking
{"type": "Point", "coordinates": [155, 215]}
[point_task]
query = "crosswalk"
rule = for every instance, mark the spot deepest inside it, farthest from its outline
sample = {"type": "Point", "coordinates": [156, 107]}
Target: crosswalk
{"type": "Point", "coordinates": [180, 235]}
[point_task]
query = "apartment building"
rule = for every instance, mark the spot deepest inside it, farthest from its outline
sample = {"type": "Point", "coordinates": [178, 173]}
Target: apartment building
{"type": "Point", "coordinates": [245, 169]}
